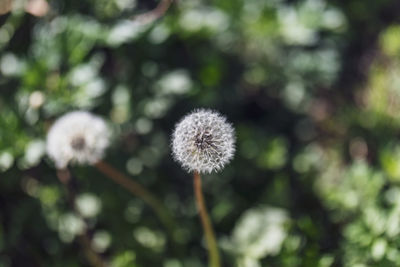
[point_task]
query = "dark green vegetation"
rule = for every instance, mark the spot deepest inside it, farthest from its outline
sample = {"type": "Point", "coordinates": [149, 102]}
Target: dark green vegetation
{"type": "Point", "coordinates": [312, 88]}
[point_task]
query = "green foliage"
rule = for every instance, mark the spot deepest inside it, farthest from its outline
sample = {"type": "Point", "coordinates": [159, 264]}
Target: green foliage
{"type": "Point", "coordinates": [311, 87]}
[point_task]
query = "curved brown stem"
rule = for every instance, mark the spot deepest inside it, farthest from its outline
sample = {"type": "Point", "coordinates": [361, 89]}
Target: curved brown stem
{"type": "Point", "coordinates": [214, 259]}
{"type": "Point", "coordinates": [5, 6]}
{"type": "Point", "coordinates": [154, 14]}
{"type": "Point", "coordinates": [93, 258]}
{"type": "Point", "coordinates": [138, 190]}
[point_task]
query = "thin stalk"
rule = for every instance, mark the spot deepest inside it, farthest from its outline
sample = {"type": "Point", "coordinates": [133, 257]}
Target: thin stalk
{"type": "Point", "coordinates": [213, 254]}
{"type": "Point", "coordinates": [139, 191]}
{"type": "Point", "coordinates": [93, 258]}
{"type": "Point", "coordinates": [154, 14]}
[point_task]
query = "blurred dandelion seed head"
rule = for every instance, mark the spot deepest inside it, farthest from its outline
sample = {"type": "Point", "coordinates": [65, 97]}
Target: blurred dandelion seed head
{"type": "Point", "coordinates": [203, 141]}
{"type": "Point", "coordinates": [77, 137]}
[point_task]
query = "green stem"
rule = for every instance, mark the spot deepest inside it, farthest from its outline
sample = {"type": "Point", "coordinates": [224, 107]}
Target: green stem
{"type": "Point", "coordinates": [214, 259]}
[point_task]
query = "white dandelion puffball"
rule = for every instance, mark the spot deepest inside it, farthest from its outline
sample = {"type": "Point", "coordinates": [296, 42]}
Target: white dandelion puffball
{"type": "Point", "coordinates": [203, 141]}
{"type": "Point", "coordinates": [77, 137]}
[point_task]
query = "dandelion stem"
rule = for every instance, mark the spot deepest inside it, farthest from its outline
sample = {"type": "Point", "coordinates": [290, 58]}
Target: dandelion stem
{"type": "Point", "coordinates": [214, 259]}
{"type": "Point", "coordinates": [139, 191]}
{"type": "Point", "coordinates": [154, 14]}
{"type": "Point", "coordinates": [93, 258]}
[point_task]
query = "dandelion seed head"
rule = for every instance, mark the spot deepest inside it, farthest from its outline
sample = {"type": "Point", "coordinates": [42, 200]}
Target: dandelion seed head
{"type": "Point", "coordinates": [203, 141]}
{"type": "Point", "coordinates": [77, 137]}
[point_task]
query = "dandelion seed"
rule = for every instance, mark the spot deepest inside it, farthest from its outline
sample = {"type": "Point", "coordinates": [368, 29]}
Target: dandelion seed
{"type": "Point", "coordinates": [203, 141]}
{"type": "Point", "coordinates": [77, 137]}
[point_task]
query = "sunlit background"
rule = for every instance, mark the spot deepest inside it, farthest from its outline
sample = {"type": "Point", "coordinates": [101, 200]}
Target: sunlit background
{"type": "Point", "coordinates": [312, 88]}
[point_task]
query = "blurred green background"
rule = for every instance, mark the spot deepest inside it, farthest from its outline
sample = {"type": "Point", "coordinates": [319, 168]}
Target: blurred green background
{"type": "Point", "coordinates": [312, 88]}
